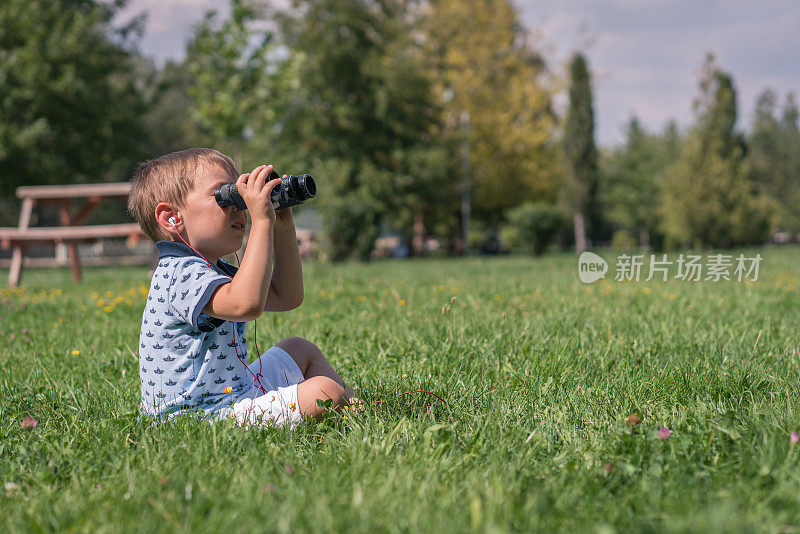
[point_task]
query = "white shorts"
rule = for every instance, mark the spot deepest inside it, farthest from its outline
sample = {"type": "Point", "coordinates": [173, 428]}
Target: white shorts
{"type": "Point", "coordinates": [279, 376]}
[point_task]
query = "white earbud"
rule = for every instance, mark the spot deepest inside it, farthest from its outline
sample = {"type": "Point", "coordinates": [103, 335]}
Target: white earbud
{"type": "Point", "coordinates": [173, 221]}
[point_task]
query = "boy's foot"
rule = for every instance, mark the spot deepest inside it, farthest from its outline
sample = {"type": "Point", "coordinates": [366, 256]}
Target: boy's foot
{"type": "Point", "coordinates": [355, 405]}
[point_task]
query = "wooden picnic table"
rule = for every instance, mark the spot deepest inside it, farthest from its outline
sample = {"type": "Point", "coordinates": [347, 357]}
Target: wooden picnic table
{"type": "Point", "coordinates": [72, 230]}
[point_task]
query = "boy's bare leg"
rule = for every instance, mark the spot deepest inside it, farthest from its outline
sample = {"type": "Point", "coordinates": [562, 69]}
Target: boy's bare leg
{"type": "Point", "coordinates": [322, 388]}
{"type": "Point", "coordinates": [312, 362]}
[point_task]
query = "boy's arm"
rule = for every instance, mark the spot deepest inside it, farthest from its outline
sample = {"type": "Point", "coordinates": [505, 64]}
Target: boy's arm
{"type": "Point", "coordinates": [244, 298]}
{"type": "Point", "coordinates": [286, 287]}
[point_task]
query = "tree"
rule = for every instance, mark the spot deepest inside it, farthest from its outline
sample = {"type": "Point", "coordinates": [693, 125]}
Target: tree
{"type": "Point", "coordinates": [169, 121]}
{"type": "Point", "coordinates": [709, 199]}
{"type": "Point", "coordinates": [774, 157]}
{"type": "Point", "coordinates": [70, 108]}
{"type": "Point", "coordinates": [580, 188]}
{"type": "Point", "coordinates": [233, 69]}
{"type": "Point", "coordinates": [631, 180]}
{"type": "Point", "coordinates": [533, 225]}
{"type": "Point", "coordinates": [356, 105]}
{"type": "Point", "coordinates": [484, 62]}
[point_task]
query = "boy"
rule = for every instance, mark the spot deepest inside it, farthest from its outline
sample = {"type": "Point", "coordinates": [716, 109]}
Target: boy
{"type": "Point", "coordinates": [192, 349]}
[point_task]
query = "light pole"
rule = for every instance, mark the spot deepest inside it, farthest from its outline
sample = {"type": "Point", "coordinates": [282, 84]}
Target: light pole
{"type": "Point", "coordinates": [466, 210]}
{"type": "Point", "coordinates": [465, 170]}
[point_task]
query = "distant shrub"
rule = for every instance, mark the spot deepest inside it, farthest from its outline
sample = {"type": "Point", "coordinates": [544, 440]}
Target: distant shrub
{"type": "Point", "coordinates": [623, 240]}
{"type": "Point", "coordinates": [532, 227]}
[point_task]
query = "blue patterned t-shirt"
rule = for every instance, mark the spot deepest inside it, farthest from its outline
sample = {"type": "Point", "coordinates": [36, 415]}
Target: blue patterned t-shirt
{"type": "Point", "coordinates": [188, 359]}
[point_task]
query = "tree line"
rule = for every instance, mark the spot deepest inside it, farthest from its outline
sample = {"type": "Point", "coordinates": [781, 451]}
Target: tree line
{"type": "Point", "coordinates": [400, 109]}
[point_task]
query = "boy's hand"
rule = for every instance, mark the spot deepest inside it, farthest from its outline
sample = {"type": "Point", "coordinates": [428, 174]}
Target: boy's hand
{"type": "Point", "coordinates": [256, 191]}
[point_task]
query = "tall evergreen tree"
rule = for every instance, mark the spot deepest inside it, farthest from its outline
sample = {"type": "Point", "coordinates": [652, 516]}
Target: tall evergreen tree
{"type": "Point", "coordinates": [580, 187]}
{"type": "Point", "coordinates": [774, 157]}
{"type": "Point", "coordinates": [709, 199]}
{"type": "Point", "coordinates": [630, 187]}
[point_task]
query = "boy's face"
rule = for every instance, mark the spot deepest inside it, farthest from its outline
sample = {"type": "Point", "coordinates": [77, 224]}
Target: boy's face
{"type": "Point", "coordinates": [212, 230]}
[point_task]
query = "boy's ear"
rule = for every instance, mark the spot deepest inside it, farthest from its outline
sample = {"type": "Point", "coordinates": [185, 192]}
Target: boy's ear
{"type": "Point", "coordinates": [166, 214]}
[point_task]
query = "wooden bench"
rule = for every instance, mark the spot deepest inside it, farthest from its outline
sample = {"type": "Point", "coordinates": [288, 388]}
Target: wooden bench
{"type": "Point", "coordinates": [70, 232]}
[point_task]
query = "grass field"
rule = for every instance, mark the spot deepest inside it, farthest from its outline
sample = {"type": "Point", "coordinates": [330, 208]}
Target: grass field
{"type": "Point", "coordinates": [542, 373]}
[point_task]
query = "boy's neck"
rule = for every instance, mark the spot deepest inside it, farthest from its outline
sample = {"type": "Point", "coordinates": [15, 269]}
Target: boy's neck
{"type": "Point", "coordinates": [209, 257]}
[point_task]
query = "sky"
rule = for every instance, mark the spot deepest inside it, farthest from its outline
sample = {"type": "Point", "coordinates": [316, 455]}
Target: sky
{"type": "Point", "coordinates": [645, 56]}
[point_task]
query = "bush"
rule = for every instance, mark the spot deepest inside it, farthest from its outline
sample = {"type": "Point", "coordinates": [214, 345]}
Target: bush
{"type": "Point", "coordinates": [623, 240]}
{"type": "Point", "coordinates": [532, 227]}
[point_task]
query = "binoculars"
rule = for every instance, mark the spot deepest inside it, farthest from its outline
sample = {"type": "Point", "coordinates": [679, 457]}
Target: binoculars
{"type": "Point", "coordinates": [292, 190]}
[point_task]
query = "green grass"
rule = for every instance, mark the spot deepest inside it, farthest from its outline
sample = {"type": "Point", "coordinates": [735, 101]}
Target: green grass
{"type": "Point", "coordinates": [541, 372]}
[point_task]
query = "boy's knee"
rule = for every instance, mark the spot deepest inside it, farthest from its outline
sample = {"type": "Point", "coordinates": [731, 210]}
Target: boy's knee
{"type": "Point", "coordinates": [328, 388]}
{"type": "Point", "coordinates": [320, 388]}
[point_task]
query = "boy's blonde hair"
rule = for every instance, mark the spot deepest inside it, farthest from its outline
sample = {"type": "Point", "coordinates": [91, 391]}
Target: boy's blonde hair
{"type": "Point", "coordinates": [169, 178]}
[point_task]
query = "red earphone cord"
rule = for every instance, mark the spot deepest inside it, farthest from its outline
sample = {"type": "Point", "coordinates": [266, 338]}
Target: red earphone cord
{"type": "Point", "coordinates": [233, 330]}
{"type": "Point", "coordinates": [255, 339]}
